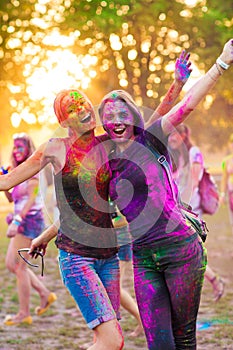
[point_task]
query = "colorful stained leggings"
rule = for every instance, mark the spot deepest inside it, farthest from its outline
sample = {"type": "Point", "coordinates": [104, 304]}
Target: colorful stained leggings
{"type": "Point", "coordinates": [94, 285]}
{"type": "Point", "coordinates": [168, 282]}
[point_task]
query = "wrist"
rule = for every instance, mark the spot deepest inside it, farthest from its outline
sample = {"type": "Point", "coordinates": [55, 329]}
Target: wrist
{"type": "Point", "coordinates": [17, 223]}
{"type": "Point", "coordinates": [179, 82]}
{"type": "Point", "coordinates": [223, 62]}
{"type": "Point", "coordinates": [17, 219]}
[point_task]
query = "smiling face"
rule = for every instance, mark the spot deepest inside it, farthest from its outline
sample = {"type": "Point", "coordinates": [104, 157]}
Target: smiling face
{"type": "Point", "coordinates": [20, 150]}
{"type": "Point", "coordinates": [118, 121]}
{"type": "Point", "coordinates": [75, 111]}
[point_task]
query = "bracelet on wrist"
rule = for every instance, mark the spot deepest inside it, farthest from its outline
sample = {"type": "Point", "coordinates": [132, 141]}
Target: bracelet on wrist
{"type": "Point", "coordinates": [208, 73]}
{"type": "Point", "coordinates": [219, 70]}
{"type": "Point", "coordinates": [15, 222]}
{"type": "Point", "coordinates": [222, 64]}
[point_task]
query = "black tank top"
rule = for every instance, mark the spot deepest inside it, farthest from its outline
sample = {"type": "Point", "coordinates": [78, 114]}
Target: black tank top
{"type": "Point", "coordinates": [82, 198]}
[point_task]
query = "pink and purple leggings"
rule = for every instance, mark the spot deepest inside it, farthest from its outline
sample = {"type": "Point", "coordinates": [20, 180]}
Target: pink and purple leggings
{"type": "Point", "coordinates": [168, 282]}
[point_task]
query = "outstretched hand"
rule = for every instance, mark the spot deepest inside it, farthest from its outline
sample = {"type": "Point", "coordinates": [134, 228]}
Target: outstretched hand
{"type": "Point", "coordinates": [227, 53]}
{"type": "Point", "coordinates": [183, 67]}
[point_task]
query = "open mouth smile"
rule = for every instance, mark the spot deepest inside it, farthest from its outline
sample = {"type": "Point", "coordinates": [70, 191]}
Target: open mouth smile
{"type": "Point", "coordinates": [86, 119]}
{"type": "Point", "coordinates": [119, 130]}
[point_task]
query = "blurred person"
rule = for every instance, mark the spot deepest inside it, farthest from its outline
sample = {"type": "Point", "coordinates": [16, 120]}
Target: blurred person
{"type": "Point", "coordinates": [26, 223]}
{"type": "Point", "coordinates": [169, 258]}
{"type": "Point", "coordinates": [226, 186]}
{"type": "Point", "coordinates": [188, 166]}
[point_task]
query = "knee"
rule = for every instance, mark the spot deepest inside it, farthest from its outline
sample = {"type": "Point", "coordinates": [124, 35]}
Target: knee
{"type": "Point", "coordinates": [109, 336]}
{"type": "Point", "coordinates": [10, 266]}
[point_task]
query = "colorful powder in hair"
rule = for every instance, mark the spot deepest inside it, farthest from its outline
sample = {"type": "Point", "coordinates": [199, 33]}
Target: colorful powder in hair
{"type": "Point", "coordinates": [69, 101]}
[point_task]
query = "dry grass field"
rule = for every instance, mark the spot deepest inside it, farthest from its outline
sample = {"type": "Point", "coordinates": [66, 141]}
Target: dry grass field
{"type": "Point", "coordinates": [62, 326]}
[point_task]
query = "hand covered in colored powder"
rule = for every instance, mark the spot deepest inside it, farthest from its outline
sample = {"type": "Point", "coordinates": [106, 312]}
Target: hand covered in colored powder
{"type": "Point", "coordinates": [182, 67]}
{"type": "Point", "coordinates": [4, 171]}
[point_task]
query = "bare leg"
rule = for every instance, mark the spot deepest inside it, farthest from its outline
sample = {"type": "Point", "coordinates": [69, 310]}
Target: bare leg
{"type": "Point", "coordinates": [108, 336]}
{"type": "Point", "coordinates": [40, 288]}
{"type": "Point", "coordinates": [19, 268]}
{"type": "Point", "coordinates": [25, 277]}
{"type": "Point", "coordinates": [127, 301]}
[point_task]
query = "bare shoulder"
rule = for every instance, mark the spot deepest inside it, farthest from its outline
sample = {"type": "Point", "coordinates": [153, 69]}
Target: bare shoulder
{"type": "Point", "coordinates": [55, 153]}
{"type": "Point", "coordinates": [54, 145]}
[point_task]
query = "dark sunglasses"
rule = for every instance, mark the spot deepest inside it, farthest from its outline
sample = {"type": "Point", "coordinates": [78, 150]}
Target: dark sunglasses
{"type": "Point", "coordinates": [35, 254]}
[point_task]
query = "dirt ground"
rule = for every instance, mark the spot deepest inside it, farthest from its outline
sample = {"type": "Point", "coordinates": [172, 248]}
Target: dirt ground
{"type": "Point", "coordinates": [62, 327]}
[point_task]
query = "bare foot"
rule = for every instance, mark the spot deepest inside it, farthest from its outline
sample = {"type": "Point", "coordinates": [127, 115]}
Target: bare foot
{"type": "Point", "coordinates": [138, 331]}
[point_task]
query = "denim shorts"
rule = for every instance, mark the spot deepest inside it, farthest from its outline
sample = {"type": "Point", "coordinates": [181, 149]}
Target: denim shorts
{"type": "Point", "coordinates": [94, 285]}
{"type": "Point", "coordinates": [32, 225]}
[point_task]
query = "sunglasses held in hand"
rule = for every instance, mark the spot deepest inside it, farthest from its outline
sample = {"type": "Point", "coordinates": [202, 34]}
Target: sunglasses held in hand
{"type": "Point", "coordinates": [34, 254]}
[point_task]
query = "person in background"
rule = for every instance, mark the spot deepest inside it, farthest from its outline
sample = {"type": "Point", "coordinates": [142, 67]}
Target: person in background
{"type": "Point", "coordinates": [26, 223]}
{"type": "Point", "coordinates": [188, 166]}
{"type": "Point", "coordinates": [226, 187]}
{"type": "Point", "coordinates": [169, 258]}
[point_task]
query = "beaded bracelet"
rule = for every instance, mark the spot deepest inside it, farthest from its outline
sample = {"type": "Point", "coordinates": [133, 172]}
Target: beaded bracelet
{"type": "Point", "coordinates": [217, 65]}
{"type": "Point", "coordinates": [211, 76]}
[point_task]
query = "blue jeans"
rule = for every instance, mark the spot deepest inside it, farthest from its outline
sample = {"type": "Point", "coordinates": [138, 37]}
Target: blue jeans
{"type": "Point", "coordinates": [94, 285]}
{"type": "Point", "coordinates": [168, 282]}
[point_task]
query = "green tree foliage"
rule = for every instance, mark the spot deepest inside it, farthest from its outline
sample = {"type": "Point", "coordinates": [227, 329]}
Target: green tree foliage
{"type": "Point", "coordinates": [136, 44]}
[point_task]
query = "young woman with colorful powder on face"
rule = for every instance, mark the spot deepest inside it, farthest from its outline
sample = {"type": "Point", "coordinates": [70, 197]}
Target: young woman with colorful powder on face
{"type": "Point", "coordinates": [86, 240]}
{"type": "Point", "coordinates": [26, 224]}
{"type": "Point", "coordinates": [169, 259]}
{"type": "Point", "coordinates": [182, 73]}
{"type": "Point", "coordinates": [75, 112]}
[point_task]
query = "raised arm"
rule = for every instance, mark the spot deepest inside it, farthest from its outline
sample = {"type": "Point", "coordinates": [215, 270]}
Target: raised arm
{"type": "Point", "coordinates": [182, 73]}
{"type": "Point", "coordinates": [198, 91]}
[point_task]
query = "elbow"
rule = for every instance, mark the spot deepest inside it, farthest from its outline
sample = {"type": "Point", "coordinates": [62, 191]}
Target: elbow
{"type": "Point", "coordinates": [4, 185]}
